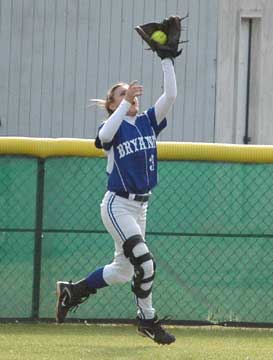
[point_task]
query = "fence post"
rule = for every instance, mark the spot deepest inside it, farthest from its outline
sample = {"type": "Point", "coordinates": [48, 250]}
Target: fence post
{"type": "Point", "coordinates": [38, 240]}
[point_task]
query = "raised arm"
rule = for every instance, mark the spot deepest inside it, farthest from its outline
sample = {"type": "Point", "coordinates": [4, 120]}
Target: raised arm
{"type": "Point", "coordinates": [109, 129]}
{"type": "Point", "coordinates": [166, 100]}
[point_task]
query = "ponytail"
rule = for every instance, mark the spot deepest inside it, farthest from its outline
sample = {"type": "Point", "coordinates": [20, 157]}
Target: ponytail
{"type": "Point", "coordinates": [105, 104]}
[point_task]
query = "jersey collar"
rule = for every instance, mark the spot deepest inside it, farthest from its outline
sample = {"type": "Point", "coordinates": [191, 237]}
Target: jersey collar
{"type": "Point", "coordinates": [130, 119]}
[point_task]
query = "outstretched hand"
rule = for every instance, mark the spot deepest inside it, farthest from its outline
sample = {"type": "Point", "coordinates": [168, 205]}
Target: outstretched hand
{"type": "Point", "coordinates": [133, 90]}
{"type": "Point", "coordinates": [171, 27]}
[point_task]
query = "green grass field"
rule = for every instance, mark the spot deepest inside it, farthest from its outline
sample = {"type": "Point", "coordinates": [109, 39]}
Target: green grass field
{"type": "Point", "coordinates": [98, 342]}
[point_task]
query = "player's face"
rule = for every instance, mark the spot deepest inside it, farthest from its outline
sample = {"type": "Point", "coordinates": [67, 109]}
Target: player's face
{"type": "Point", "coordinates": [119, 95]}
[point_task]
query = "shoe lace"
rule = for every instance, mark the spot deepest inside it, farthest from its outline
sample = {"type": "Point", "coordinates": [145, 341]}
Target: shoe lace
{"type": "Point", "coordinates": [73, 306]}
{"type": "Point", "coordinates": [76, 301]}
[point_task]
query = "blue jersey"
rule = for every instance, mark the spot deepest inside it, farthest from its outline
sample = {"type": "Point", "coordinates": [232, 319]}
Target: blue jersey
{"type": "Point", "coordinates": [133, 155]}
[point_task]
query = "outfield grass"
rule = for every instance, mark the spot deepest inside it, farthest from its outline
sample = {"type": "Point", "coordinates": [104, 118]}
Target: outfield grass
{"type": "Point", "coordinates": [82, 342]}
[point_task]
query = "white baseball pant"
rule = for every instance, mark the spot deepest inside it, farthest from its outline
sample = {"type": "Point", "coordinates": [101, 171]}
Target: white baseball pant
{"type": "Point", "coordinates": [124, 218]}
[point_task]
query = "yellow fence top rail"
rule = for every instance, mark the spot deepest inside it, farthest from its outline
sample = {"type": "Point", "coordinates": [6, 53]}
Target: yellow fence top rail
{"type": "Point", "coordinates": [49, 147]}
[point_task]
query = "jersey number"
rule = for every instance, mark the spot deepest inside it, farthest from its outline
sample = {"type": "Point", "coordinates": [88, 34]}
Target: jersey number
{"type": "Point", "coordinates": [152, 163]}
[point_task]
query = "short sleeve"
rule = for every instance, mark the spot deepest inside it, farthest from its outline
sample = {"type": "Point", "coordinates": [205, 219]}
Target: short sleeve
{"type": "Point", "coordinates": [157, 127]}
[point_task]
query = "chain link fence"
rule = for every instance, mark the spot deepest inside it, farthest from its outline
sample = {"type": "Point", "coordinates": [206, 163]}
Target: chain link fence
{"type": "Point", "coordinates": [209, 227]}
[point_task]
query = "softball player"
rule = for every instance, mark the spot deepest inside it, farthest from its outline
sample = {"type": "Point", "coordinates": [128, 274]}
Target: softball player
{"type": "Point", "coordinates": [129, 140]}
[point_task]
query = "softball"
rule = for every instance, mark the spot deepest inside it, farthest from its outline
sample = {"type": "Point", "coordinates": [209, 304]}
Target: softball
{"type": "Point", "coordinates": [160, 37]}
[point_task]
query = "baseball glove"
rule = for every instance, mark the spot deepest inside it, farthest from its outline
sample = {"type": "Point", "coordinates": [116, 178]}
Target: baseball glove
{"type": "Point", "coordinates": [172, 28]}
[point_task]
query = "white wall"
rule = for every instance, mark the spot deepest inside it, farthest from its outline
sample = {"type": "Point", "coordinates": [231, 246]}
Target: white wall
{"type": "Point", "coordinates": [261, 80]}
{"type": "Point", "coordinates": [55, 54]}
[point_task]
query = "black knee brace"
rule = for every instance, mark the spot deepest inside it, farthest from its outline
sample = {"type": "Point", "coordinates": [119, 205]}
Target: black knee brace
{"type": "Point", "coordinates": [138, 280]}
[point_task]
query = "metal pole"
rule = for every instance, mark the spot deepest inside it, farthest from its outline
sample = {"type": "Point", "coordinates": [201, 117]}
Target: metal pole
{"type": "Point", "coordinates": [38, 240]}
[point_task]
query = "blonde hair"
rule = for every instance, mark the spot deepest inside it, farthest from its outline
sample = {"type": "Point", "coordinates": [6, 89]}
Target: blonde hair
{"type": "Point", "coordinates": [105, 104]}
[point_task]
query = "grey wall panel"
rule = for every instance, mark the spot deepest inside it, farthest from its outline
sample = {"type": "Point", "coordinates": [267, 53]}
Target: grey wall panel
{"type": "Point", "coordinates": [58, 71]}
{"type": "Point", "coordinates": [190, 85]}
{"type": "Point", "coordinates": [58, 54]}
{"type": "Point", "coordinates": [93, 61]}
{"type": "Point", "coordinates": [14, 66]}
{"type": "Point", "coordinates": [206, 72]}
{"type": "Point", "coordinates": [5, 37]}
{"type": "Point", "coordinates": [177, 123]}
{"type": "Point", "coordinates": [36, 79]}
{"type": "Point", "coordinates": [70, 64]}
{"type": "Point", "coordinates": [47, 76]}
{"type": "Point", "coordinates": [25, 68]}
{"type": "Point", "coordinates": [81, 67]}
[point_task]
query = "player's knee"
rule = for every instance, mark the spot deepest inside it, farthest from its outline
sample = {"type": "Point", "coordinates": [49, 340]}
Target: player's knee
{"type": "Point", "coordinates": [126, 272]}
{"type": "Point", "coordinates": [136, 250]}
{"type": "Point", "coordinates": [118, 273]}
{"type": "Point", "coordinates": [144, 266]}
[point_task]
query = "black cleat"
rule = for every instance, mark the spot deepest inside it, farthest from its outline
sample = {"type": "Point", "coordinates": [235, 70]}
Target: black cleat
{"type": "Point", "coordinates": [70, 296]}
{"type": "Point", "coordinates": [63, 293]}
{"type": "Point", "coordinates": [152, 328]}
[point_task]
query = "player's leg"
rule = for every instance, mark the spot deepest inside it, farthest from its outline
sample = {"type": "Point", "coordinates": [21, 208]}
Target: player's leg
{"type": "Point", "coordinates": [126, 221]}
{"type": "Point", "coordinates": [120, 222]}
{"type": "Point", "coordinates": [144, 306]}
{"type": "Point", "coordinates": [120, 270]}
{"type": "Point", "coordinates": [147, 322]}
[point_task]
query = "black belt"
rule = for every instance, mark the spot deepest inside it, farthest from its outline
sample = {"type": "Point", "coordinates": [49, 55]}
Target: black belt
{"type": "Point", "coordinates": [126, 195]}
